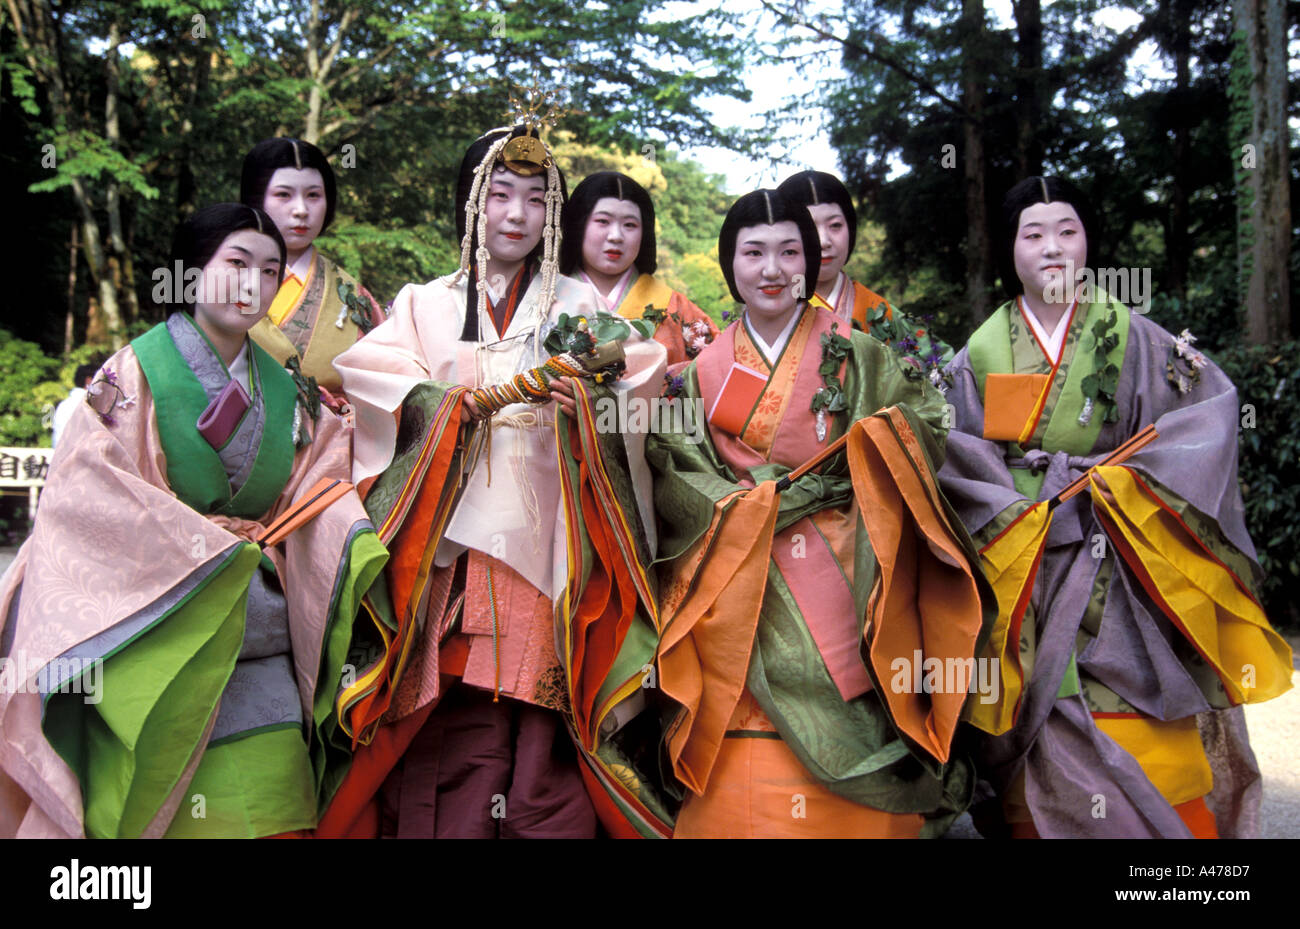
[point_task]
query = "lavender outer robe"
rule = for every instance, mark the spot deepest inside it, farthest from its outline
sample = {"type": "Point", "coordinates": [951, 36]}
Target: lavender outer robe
{"type": "Point", "coordinates": [1066, 760]}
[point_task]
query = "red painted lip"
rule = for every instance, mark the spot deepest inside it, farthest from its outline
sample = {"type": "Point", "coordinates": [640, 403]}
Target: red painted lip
{"type": "Point", "coordinates": [513, 235]}
{"type": "Point", "coordinates": [613, 253]}
{"type": "Point", "coordinates": [827, 261]}
{"type": "Point", "coordinates": [298, 230]}
{"type": "Point", "coordinates": [772, 291]}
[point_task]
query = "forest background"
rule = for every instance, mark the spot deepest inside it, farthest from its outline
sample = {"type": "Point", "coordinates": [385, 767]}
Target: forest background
{"type": "Point", "coordinates": [120, 119]}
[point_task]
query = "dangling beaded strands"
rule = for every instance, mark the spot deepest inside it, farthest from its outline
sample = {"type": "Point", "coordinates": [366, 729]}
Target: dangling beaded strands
{"type": "Point", "coordinates": [476, 222]}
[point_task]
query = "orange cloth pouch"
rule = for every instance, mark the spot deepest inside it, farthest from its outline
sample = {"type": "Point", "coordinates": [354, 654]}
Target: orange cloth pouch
{"type": "Point", "coordinates": [1010, 400]}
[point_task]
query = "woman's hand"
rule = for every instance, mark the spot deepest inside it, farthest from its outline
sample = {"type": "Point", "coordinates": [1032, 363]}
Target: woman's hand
{"type": "Point", "coordinates": [469, 410]}
{"type": "Point", "coordinates": [562, 394]}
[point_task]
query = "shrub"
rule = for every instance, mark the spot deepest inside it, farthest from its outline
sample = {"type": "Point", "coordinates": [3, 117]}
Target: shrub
{"type": "Point", "coordinates": [23, 366]}
{"type": "Point", "coordinates": [1268, 388]}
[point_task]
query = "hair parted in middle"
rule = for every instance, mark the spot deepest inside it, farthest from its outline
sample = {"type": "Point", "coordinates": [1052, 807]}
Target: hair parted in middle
{"type": "Point", "coordinates": [767, 208]}
{"type": "Point", "coordinates": [494, 149]}
{"type": "Point", "coordinates": [578, 210]}
{"type": "Point", "coordinates": [269, 155]}
{"type": "Point", "coordinates": [814, 188]}
{"type": "Point", "coordinates": [1025, 194]}
{"type": "Point", "coordinates": [197, 239]}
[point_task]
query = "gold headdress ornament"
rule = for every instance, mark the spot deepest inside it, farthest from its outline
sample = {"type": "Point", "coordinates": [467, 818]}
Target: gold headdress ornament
{"type": "Point", "coordinates": [526, 154]}
{"type": "Point", "coordinates": [529, 156]}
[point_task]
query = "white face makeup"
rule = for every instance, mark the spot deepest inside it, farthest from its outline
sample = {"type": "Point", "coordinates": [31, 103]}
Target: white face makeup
{"type": "Point", "coordinates": [1049, 237]}
{"type": "Point", "coordinates": [612, 239]}
{"type": "Point", "coordinates": [516, 212]}
{"type": "Point", "coordinates": [769, 268]}
{"type": "Point", "coordinates": [833, 230]}
{"type": "Point", "coordinates": [295, 199]}
{"type": "Point", "coordinates": [238, 285]}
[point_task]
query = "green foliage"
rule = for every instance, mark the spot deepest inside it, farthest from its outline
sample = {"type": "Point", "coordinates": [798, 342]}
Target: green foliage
{"type": "Point", "coordinates": [23, 364]}
{"type": "Point", "coordinates": [20, 83]}
{"type": "Point", "coordinates": [1268, 389]}
{"type": "Point", "coordinates": [403, 88]}
{"type": "Point", "coordinates": [86, 156]}
{"type": "Point", "coordinates": [700, 278]}
{"type": "Point", "coordinates": [689, 207]}
{"type": "Point", "coordinates": [690, 213]}
{"type": "Point", "coordinates": [384, 259]}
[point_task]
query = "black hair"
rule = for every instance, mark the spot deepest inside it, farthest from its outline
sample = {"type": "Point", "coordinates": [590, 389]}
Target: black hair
{"type": "Point", "coordinates": [269, 155]}
{"type": "Point", "coordinates": [82, 373]}
{"type": "Point", "coordinates": [1025, 194]}
{"type": "Point", "coordinates": [813, 188]}
{"type": "Point", "coordinates": [767, 208]}
{"type": "Point", "coordinates": [474, 155]}
{"type": "Point", "coordinates": [198, 238]}
{"type": "Point", "coordinates": [580, 206]}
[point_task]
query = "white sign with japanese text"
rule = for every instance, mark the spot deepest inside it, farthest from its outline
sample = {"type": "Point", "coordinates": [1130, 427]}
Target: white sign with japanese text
{"type": "Point", "coordinates": [24, 467]}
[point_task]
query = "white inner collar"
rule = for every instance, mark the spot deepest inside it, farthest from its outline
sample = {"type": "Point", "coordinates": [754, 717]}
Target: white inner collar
{"type": "Point", "coordinates": [239, 369]}
{"type": "Point", "coordinates": [772, 352]}
{"type": "Point", "coordinates": [832, 299]}
{"type": "Point", "coordinates": [302, 266]}
{"type": "Point", "coordinates": [1054, 342]}
{"type": "Point", "coordinates": [617, 292]}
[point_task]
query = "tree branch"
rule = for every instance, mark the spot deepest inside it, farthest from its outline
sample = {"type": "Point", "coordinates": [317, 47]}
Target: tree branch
{"type": "Point", "coordinates": [883, 58]}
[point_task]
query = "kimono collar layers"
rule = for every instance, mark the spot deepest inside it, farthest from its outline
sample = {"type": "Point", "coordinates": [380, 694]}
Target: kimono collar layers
{"type": "Point", "coordinates": [510, 500]}
{"type": "Point", "coordinates": [185, 375]}
{"type": "Point", "coordinates": [614, 299]}
{"type": "Point", "coordinates": [1135, 651]}
{"type": "Point", "coordinates": [771, 353]}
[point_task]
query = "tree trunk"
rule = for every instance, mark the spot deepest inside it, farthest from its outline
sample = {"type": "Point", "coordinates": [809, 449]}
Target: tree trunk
{"type": "Point", "coordinates": [311, 126]}
{"type": "Point", "coordinates": [1029, 87]}
{"type": "Point", "coordinates": [1264, 216]}
{"type": "Point", "coordinates": [320, 61]}
{"type": "Point", "coordinates": [978, 257]}
{"type": "Point", "coordinates": [68, 323]}
{"type": "Point", "coordinates": [187, 188]}
{"type": "Point", "coordinates": [37, 31]}
{"type": "Point", "coordinates": [1178, 244]}
{"type": "Point", "coordinates": [121, 268]}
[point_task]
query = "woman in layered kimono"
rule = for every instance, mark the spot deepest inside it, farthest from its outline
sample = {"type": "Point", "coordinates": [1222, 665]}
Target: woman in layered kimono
{"type": "Point", "coordinates": [1128, 609]}
{"type": "Point", "coordinates": [792, 614]}
{"type": "Point", "coordinates": [609, 242]}
{"type": "Point", "coordinates": [175, 677]}
{"type": "Point", "coordinates": [831, 207]}
{"type": "Point", "coordinates": [470, 691]}
{"type": "Point", "coordinates": [320, 309]}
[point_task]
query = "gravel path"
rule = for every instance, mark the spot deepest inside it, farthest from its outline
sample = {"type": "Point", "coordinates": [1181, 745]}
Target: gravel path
{"type": "Point", "coordinates": [1275, 737]}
